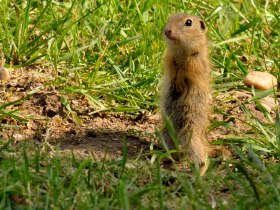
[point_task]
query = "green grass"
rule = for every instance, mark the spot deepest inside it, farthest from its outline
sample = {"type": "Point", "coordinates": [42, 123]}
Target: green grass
{"type": "Point", "coordinates": [111, 53]}
{"type": "Point", "coordinates": [44, 178]}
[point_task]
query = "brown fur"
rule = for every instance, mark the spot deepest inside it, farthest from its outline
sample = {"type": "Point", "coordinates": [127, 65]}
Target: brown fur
{"type": "Point", "coordinates": [186, 85]}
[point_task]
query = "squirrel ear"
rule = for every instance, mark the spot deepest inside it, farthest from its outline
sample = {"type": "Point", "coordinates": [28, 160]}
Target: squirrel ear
{"type": "Point", "coordinates": [202, 25]}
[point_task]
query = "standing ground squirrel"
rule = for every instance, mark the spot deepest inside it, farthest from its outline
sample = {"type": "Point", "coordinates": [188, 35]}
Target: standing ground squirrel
{"type": "Point", "coordinates": [186, 85]}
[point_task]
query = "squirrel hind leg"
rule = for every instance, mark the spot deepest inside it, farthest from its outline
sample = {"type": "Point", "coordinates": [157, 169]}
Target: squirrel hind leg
{"type": "Point", "coordinates": [198, 152]}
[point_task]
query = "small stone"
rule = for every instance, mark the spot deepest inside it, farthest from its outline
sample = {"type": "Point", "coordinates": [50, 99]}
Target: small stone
{"type": "Point", "coordinates": [260, 80]}
{"type": "Point", "coordinates": [18, 137]}
{"type": "Point", "coordinates": [4, 74]}
{"type": "Point", "coordinates": [269, 103]}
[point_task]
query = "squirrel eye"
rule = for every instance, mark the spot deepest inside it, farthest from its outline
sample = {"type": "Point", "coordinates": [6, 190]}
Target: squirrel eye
{"type": "Point", "coordinates": [188, 22]}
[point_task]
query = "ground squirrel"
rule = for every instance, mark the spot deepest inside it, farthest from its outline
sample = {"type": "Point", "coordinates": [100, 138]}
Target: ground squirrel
{"type": "Point", "coordinates": [186, 85]}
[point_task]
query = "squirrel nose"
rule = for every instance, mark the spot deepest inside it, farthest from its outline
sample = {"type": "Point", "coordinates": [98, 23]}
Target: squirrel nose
{"type": "Point", "coordinates": [168, 32]}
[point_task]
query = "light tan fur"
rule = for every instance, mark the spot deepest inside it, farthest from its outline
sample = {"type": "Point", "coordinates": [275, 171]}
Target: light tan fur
{"type": "Point", "coordinates": [186, 85]}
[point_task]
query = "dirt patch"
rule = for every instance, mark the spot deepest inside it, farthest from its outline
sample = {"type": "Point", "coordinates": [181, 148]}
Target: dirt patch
{"type": "Point", "coordinates": [102, 134]}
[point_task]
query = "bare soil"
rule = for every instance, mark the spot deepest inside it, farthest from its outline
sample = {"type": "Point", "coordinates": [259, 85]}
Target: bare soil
{"type": "Point", "coordinates": [102, 134]}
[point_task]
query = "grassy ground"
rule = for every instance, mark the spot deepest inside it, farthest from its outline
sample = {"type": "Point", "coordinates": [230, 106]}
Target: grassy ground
{"type": "Point", "coordinates": [110, 52]}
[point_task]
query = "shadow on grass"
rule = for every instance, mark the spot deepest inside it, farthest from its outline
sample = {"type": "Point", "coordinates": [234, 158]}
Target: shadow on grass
{"type": "Point", "coordinates": [107, 143]}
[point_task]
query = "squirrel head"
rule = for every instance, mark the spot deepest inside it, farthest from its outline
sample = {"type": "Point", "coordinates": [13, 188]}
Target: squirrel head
{"type": "Point", "coordinates": [185, 32]}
